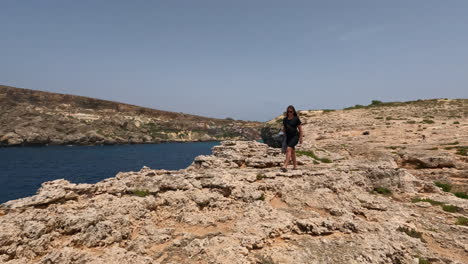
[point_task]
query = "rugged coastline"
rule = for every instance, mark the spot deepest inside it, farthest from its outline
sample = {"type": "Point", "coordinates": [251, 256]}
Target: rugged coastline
{"type": "Point", "coordinates": [29, 117]}
{"type": "Point", "coordinates": [374, 185]}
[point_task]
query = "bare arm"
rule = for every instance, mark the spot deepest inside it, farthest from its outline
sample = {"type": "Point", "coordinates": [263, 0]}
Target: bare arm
{"type": "Point", "coordinates": [300, 134]}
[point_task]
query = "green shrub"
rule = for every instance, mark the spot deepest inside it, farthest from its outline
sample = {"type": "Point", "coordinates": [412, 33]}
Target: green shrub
{"type": "Point", "coordinates": [456, 123]}
{"type": "Point", "coordinates": [311, 154]}
{"type": "Point", "coordinates": [141, 193]}
{"type": "Point", "coordinates": [428, 121]}
{"type": "Point", "coordinates": [462, 195]}
{"type": "Point", "coordinates": [450, 208]}
{"type": "Point", "coordinates": [260, 176]}
{"type": "Point", "coordinates": [376, 102]}
{"type": "Point", "coordinates": [328, 110]}
{"type": "Point", "coordinates": [463, 151]}
{"type": "Point", "coordinates": [423, 261]}
{"type": "Point", "coordinates": [358, 106]}
{"type": "Point", "coordinates": [444, 186]}
{"type": "Point", "coordinates": [410, 232]}
{"type": "Point", "coordinates": [462, 221]}
{"type": "Point", "coordinates": [382, 190]}
{"type": "Point", "coordinates": [411, 122]}
{"type": "Point", "coordinates": [432, 202]}
{"type": "Point", "coordinates": [453, 143]}
{"type": "Point", "coordinates": [262, 197]}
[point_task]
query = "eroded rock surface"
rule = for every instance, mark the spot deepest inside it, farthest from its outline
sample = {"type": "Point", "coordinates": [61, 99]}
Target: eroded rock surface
{"type": "Point", "coordinates": [235, 206]}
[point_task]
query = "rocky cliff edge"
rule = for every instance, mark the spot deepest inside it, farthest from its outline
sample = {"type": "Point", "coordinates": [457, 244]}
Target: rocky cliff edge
{"type": "Point", "coordinates": [235, 206]}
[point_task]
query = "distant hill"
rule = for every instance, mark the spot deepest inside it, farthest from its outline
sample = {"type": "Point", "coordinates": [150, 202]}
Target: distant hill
{"type": "Point", "coordinates": [30, 117]}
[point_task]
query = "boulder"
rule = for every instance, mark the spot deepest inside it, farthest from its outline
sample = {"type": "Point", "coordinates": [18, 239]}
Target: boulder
{"type": "Point", "coordinates": [11, 139]}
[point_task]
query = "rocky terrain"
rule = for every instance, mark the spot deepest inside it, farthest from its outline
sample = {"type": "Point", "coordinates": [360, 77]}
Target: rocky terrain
{"type": "Point", "coordinates": [369, 189]}
{"type": "Point", "coordinates": [29, 117]}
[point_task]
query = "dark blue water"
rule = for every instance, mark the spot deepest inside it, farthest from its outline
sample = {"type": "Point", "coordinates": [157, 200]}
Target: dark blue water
{"type": "Point", "coordinates": [23, 169]}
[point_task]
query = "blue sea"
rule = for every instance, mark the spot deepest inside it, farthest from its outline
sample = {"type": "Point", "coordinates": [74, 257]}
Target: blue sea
{"type": "Point", "coordinates": [24, 169]}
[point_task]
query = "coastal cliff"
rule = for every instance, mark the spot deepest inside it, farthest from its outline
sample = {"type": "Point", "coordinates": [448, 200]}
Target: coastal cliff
{"type": "Point", "coordinates": [367, 190]}
{"type": "Point", "coordinates": [29, 117]}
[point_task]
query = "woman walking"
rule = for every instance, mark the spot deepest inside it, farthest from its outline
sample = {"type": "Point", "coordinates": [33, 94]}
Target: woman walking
{"type": "Point", "coordinates": [293, 130]}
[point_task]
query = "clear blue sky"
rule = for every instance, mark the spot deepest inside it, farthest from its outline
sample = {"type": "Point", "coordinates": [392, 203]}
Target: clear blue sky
{"type": "Point", "coordinates": [242, 59]}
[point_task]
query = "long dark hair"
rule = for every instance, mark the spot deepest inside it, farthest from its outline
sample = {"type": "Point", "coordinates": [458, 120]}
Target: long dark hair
{"type": "Point", "coordinates": [292, 108]}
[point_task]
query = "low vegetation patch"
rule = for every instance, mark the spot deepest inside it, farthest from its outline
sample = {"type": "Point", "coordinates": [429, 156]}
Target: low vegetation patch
{"type": "Point", "coordinates": [423, 261]}
{"type": "Point", "coordinates": [311, 154]}
{"type": "Point", "coordinates": [427, 200]}
{"type": "Point", "coordinates": [446, 207]}
{"type": "Point", "coordinates": [453, 143]}
{"type": "Point", "coordinates": [328, 110]}
{"type": "Point", "coordinates": [358, 106]}
{"type": "Point", "coordinates": [463, 151]}
{"type": "Point", "coordinates": [395, 147]}
{"type": "Point", "coordinates": [428, 121]}
{"type": "Point", "coordinates": [260, 176]}
{"type": "Point", "coordinates": [446, 187]}
{"type": "Point", "coordinates": [382, 190]}
{"type": "Point", "coordinates": [462, 195]}
{"type": "Point", "coordinates": [434, 148]}
{"type": "Point", "coordinates": [460, 150]}
{"type": "Point", "coordinates": [411, 122]}
{"type": "Point", "coordinates": [262, 197]}
{"type": "Point", "coordinates": [141, 193]}
{"type": "Point", "coordinates": [451, 208]}
{"type": "Point", "coordinates": [456, 123]}
{"type": "Point", "coordinates": [462, 221]}
{"type": "Point", "coordinates": [410, 232]}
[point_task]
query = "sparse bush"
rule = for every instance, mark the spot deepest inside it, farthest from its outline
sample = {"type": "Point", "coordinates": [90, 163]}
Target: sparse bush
{"type": "Point", "coordinates": [450, 208]}
{"type": "Point", "coordinates": [358, 106]}
{"type": "Point", "coordinates": [262, 197]}
{"type": "Point", "coordinates": [312, 155]}
{"type": "Point", "coordinates": [410, 232]}
{"type": "Point", "coordinates": [328, 110]}
{"type": "Point", "coordinates": [453, 143]}
{"type": "Point", "coordinates": [423, 261]}
{"type": "Point", "coordinates": [432, 202]}
{"type": "Point", "coordinates": [462, 195]}
{"type": "Point", "coordinates": [456, 123]}
{"type": "Point", "coordinates": [260, 176]}
{"type": "Point", "coordinates": [376, 102]}
{"type": "Point", "coordinates": [141, 193]}
{"type": "Point", "coordinates": [411, 122]}
{"type": "Point", "coordinates": [382, 190]}
{"type": "Point", "coordinates": [463, 151]}
{"type": "Point", "coordinates": [428, 121]}
{"type": "Point", "coordinates": [395, 147]}
{"type": "Point", "coordinates": [379, 117]}
{"type": "Point", "coordinates": [462, 221]}
{"type": "Point", "coordinates": [389, 118]}
{"type": "Point", "coordinates": [444, 186]}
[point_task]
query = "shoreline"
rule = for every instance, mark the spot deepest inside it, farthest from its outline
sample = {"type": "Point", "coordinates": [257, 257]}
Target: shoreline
{"type": "Point", "coordinates": [118, 144]}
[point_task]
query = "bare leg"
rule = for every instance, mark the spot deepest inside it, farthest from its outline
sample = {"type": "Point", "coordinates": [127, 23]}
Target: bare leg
{"type": "Point", "coordinates": [293, 156]}
{"type": "Point", "coordinates": [288, 157]}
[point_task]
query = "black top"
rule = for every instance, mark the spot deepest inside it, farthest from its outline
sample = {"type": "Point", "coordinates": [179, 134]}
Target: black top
{"type": "Point", "coordinates": [290, 126]}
